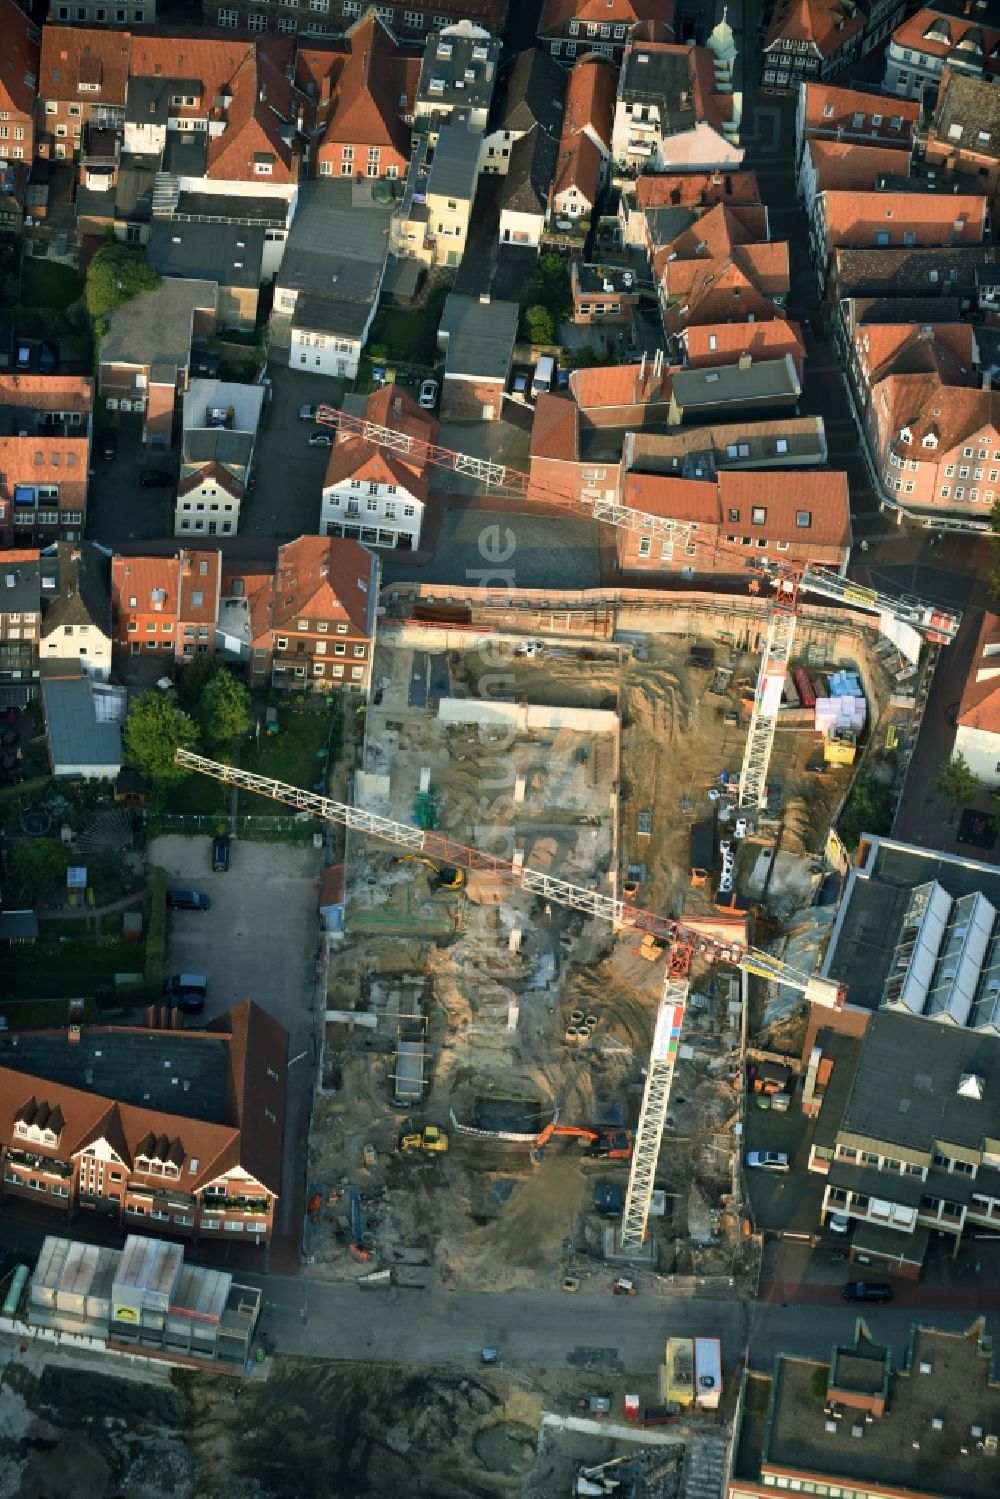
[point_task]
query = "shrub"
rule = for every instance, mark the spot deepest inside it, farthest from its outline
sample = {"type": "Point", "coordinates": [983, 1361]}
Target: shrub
{"type": "Point", "coordinates": [156, 939]}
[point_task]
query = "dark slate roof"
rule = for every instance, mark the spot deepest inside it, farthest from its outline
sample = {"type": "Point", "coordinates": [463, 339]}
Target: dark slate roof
{"type": "Point", "coordinates": [82, 593]}
{"type": "Point", "coordinates": [529, 175]}
{"type": "Point", "coordinates": [899, 270]}
{"type": "Point", "coordinates": [532, 92]}
{"type": "Point", "coordinates": [229, 254]}
{"type": "Point", "coordinates": [234, 207]}
{"type": "Point", "coordinates": [908, 310]}
{"type": "Point", "coordinates": [320, 314]}
{"type": "Point", "coordinates": [971, 105]}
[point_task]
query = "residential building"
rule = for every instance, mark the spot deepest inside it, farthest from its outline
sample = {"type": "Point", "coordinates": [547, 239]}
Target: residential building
{"type": "Point", "coordinates": [728, 343]}
{"type": "Point", "coordinates": [14, 178]}
{"type": "Point", "coordinates": [570, 28]}
{"type": "Point", "coordinates": [722, 392]}
{"type": "Point", "coordinates": [961, 34]}
{"type": "Point", "coordinates": [229, 254]}
{"type": "Point", "coordinates": [91, 1121]}
{"type": "Point", "coordinates": [584, 160]}
{"type": "Point", "coordinates": [761, 517]}
{"type": "Point", "coordinates": [524, 198]}
{"type": "Point", "coordinates": [220, 431]}
{"type": "Point", "coordinates": [165, 604]}
{"type": "Point", "coordinates": [977, 738]}
{"type": "Point", "coordinates": [530, 93]}
{"type": "Point", "coordinates": [18, 82]}
{"type": "Point", "coordinates": [83, 81]}
{"type": "Point", "coordinates": [83, 726]}
{"type": "Point", "coordinates": [477, 337]}
{"type": "Point", "coordinates": [359, 129]}
{"type": "Point", "coordinates": [76, 610]}
{"type": "Point", "coordinates": [715, 268]}
{"type": "Point", "coordinates": [103, 13]}
{"type": "Point", "coordinates": [432, 220]}
{"type": "Point", "coordinates": [323, 615]}
{"type": "Point", "coordinates": [45, 434]}
{"type": "Point", "coordinates": [603, 293]}
{"type": "Point", "coordinates": [625, 396]}
{"type": "Point", "coordinates": [812, 39]}
{"type": "Point", "coordinates": [963, 133]}
{"type": "Point", "coordinates": [908, 272]}
{"type": "Point", "coordinates": [702, 452]}
{"type": "Point", "coordinates": [327, 290]}
{"type": "Point", "coordinates": [377, 495]}
{"type": "Point", "coordinates": [313, 19]}
{"type": "Point", "coordinates": [458, 74]}
{"type": "Point", "coordinates": [869, 1422]}
{"type": "Point", "coordinates": [904, 219]}
{"type": "Point", "coordinates": [146, 350]}
{"type": "Point", "coordinates": [826, 113]}
{"type": "Point", "coordinates": [670, 114]}
{"type": "Point", "coordinates": [826, 165]}
{"type": "Point", "coordinates": [146, 1299]}
{"type": "Point", "coordinates": [20, 614]}
{"type": "Point", "coordinates": [693, 193]}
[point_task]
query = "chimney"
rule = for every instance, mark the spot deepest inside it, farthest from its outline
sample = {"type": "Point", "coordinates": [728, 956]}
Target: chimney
{"type": "Point", "coordinates": [746, 360]}
{"type": "Point", "coordinates": [324, 89]}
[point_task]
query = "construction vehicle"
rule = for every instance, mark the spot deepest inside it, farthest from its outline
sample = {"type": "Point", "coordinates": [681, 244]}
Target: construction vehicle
{"type": "Point", "coordinates": [650, 948]}
{"type": "Point", "coordinates": [905, 619]}
{"type": "Point", "coordinates": [624, 1288]}
{"type": "Point", "coordinates": [443, 876]}
{"type": "Point", "coordinates": [610, 1144]}
{"type": "Point", "coordinates": [431, 1139]}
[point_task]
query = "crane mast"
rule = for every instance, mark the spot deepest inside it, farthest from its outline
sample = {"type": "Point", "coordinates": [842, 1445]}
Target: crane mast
{"type": "Point", "coordinates": [683, 942]}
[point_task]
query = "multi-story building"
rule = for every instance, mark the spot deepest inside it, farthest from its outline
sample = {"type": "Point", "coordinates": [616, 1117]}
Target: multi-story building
{"type": "Point", "coordinates": [811, 40]}
{"type": "Point", "coordinates": [603, 293]}
{"type": "Point", "coordinates": [530, 94]}
{"type": "Point", "coordinates": [45, 435]}
{"type": "Point", "coordinates": [76, 610]}
{"type": "Point", "coordinates": [20, 614]}
{"type": "Point", "coordinates": [846, 166]}
{"type": "Point", "coordinates": [458, 72]}
{"type": "Point", "coordinates": [322, 625]}
{"type": "Point", "coordinates": [166, 604]}
{"type": "Point", "coordinates": [431, 222]}
{"type": "Point", "coordinates": [670, 114]}
{"type": "Point", "coordinates": [146, 351]}
{"type": "Point", "coordinates": [921, 273]}
{"type": "Point", "coordinates": [826, 113]}
{"type": "Point", "coordinates": [92, 1121]}
{"type": "Point", "coordinates": [872, 1424]}
{"type": "Point", "coordinates": [477, 336]}
{"type": "Point", "coordinates": [360, 129]}
{"type": "Point", "coordinates": [960, 34]}
{"type": "Point", "coordinates": [716, 267]}
{"type": "Point", "coordinates": [410, 20]}
{"type": "Point", "coordinates": [103, 13]}
{"type": "Point", "coordinates": [727, 343]}
{"type": "Point", "coordinates": [893, 217]}
{"type": "Point", "coordinates": [584, 159]}
{"type": "Point", "coordinates": [18, 82]}
{"type": "Point", "coordinates": [570, 28]}
{"type": "Point", "coordinates": [695, 192]}
{"type": "Point", "coordinates": [977, 734]}
{"type": "Point", "coordinates": [963, 133]}
{"type": "Point", "coordinates": [83, 81]}
{"type": "Point", "coordinates": [373, 494]}
{"type": "Point", "coordinates": [220, 430]}
{"type": "Point", "coordinates": [524, 197]}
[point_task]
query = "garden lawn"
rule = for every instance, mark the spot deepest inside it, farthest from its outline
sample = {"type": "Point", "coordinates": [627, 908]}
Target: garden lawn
{"type": "Point", "coordinates": [69, 968]}
{"type": "Point", "coordinates": [199, 795]}
{"type": "Point", "coordinates": [293, 755]}
{"type": "Point", "coordinates": [46, 283]}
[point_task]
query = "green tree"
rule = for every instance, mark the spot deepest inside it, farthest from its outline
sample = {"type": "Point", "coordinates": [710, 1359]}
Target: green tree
{"type": "Point", "coordinates": [540, 324]}
{"type": "Point", "coordinates": [116, 275]}
{"type": "Point", "coordinates": [156, 727]}
{"type": "Point", "coordinates": [224, 710]}
{"type": "Point", "coordinates": [193, 680]}
{"type": "Point", "coordinates": [35, 866]}
{"type": "Point", "coordinates": [869, 810]}
{"type": "Point", "coordinates": [958, 781]}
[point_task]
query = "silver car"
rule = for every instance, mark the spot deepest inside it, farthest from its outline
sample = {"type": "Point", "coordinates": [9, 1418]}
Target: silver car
{"type": "Point", "coordinates": [768, 1160]}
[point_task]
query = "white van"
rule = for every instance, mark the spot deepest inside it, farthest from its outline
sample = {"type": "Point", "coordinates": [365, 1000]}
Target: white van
{"type": "Point", "coordinates": [544, 377]}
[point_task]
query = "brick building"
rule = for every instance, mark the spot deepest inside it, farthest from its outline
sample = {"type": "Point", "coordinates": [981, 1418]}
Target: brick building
{"type": "Point", "coordinates": [45, 435]}
{"type": "Point", "coordinates": [569, 28]}
{"type": "Point", "coordinates": [360, 129]}
{"type": "Point", "coordinates": [322, 619]}
{"type": "Point", "coordinates": [166, 604]}
{"type": "Point", "coordinates": [83, 81]}
{"type": "Point", "coordinates": [146, 351]}
{"type": "Point", "coordinates": [18, 82]}
{"type": "Point", "coordinates": [410, 20]}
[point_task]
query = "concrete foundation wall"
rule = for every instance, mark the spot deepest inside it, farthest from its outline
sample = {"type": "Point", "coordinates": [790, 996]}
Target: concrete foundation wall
{"type": "Point", "coordinates": [526, 716]}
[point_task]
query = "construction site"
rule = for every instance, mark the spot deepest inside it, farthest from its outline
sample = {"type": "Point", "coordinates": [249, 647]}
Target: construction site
{"type": "Point", "coordinates": [486, 1049]}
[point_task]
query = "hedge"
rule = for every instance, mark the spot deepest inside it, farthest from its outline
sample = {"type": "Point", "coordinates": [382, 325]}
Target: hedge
{"type": "Point", "coordinates": [156, 940]}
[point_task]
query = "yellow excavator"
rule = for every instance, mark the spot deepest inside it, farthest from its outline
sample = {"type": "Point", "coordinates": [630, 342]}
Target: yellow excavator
{"type": "Point", "coordinates": [432, 1139]}
{"type": "Point", "coordinates": [443, 876]}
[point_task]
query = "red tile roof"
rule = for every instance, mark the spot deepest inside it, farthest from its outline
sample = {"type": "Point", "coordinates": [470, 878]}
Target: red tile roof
{"type": "Point", "coordinates": [554, 429]}
{"type": "Point", "coordinates": [832, 109]}
{"type": "Point", "coordinates": [980, 704]}
{"type": "Point", "coordinates": [47, 392]}
{"type": "Point", "coordinates": [786, 495]}
{"type": "Point", "coordinates": [947, 34]}
{"type": "Point", "coordinates": [140, 578]}
{"type": "Point", "coordinates": [200, 579]}
{"type": "Point", "coordinates": [65, 49]}
{"type": "Point", "coordinates": [19, 60]}
{"type": "Point", "coordinates": [45, 460]}
{"type": "Point", "coordinates": [926, 406]}
{"type": "Point", "coordinates": [264, 106]}
{"type": "Point", "coordinates": [590, 99]}
{"type": "Point", "coordinates": [677, 499]}
{"type": "Point", "coordinates": [723, 343]}
{"type": "Point", "coordinates": [854, 218]}
{"type": "Point", "coordinates": [611, 385]}
{"type": "Point", "coordinates": [216, 472]}
{"type": "Point", "coordinates": [947, 349]}
{"type": "Point", "coordinates": [324, 578]}
{"type": "Point", "coordinates": [352, 457]}
{"type": "Point", "coordinates": [848, 164]}
{"type": "Point", "coordinates": [828, 23]}
{"type": "Point", "coordinates": [697, 189]}
{"type": "Point", "coordinates": [359, 91]}
{"type": "Point", "coordinates": [555, 13]}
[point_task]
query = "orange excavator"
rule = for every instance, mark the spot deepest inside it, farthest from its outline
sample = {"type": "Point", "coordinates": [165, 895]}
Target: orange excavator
{"type": "Point", "coordinates": [612, 1144]}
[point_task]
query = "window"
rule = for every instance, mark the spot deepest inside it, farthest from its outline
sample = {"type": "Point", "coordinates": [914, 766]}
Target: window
{"type": "Point", "coordinates": [357, 672]}
{"type": "Point", "coordinates": [758, 515]}
{"type": "Point", "coordinates": [255, 23]}
{"type": "Point", "coordinates": [230, 18]}
{"type": "Point", "coordinates": [803, 519]}
{"type": "Point", "coordinates": [645, 545]}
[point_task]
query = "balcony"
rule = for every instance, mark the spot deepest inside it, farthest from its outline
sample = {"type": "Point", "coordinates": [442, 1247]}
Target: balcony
{"type": "Point", "coordinates": [44, 1164]}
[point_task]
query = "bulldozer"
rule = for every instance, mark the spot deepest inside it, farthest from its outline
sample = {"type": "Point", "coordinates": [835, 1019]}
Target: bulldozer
{"type": "Point", "coordinates": [443, 876]}
{"type": "Point", "coordinates": [431, 1138]}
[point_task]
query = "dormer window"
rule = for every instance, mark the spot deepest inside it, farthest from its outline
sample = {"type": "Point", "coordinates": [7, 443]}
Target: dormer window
{"type": "Point", "coordinates": [929, 440]}
{"type": "Point", "coordinates": [906, 435]}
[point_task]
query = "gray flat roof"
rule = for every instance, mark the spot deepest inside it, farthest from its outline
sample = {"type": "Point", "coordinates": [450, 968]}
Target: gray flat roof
{"type": "Point", "coordinates": [155, 328]}
{"type": "Point", "coordinates": [245, 400]}
{"type": "Point", "coordinates": [481, 336]}
{"type": "Point", "coordinates": [330, 233]}
{"type": "Point", "coordinates": [132, 1065]}
{"type": "Point", "coordinates": [729, 382]}
{"type": "Point", "coordinates": [20, 586]}
{"type": "Point", "coordinates": [232, 207]}
{"type": "Point", "coordinates": [216, 445]}
{"type": "Point", "coordinates": [230, 254]}
{"type": "Point", "coordinates": [76, 736]}
{"type": "Point", "coordinates": [346, 314]}
{"type": "Point", "coordinates": [455, 168]}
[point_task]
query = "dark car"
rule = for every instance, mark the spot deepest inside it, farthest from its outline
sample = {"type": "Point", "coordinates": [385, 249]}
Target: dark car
{"type": "Point", "coordinates": [866, 1290]}
{"type": "Point", "coordinates": [220, 854]}
{"type": "Point", "coordinates": [109, 447]}
{"type": "Point", "coordinates": [189, 1001]}
{"type": "Point", "coordinates": [187, 900]}
{"type": "Point", "coordinates": [154, 478]}
{"type": "Point", "coordinates": [48, 359]}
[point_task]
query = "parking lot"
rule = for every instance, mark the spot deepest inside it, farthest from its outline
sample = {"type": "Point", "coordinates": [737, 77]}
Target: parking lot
{"type": "Point", "coordinates": [286, 498]}
{"type": "Point", "coordinates": [785, 1202]}
{"type": "Point", "coordinates": [118, 508]}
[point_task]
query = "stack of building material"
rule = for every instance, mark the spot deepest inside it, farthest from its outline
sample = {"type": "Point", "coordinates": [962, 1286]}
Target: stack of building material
{"type": "Point", "coordinates": [845, 708]}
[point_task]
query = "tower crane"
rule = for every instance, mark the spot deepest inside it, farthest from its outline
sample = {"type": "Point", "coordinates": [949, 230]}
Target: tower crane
{"type": "Point", "coordinates": [909, 618]}
{"type": "Point", "coordinates": [683, 942]}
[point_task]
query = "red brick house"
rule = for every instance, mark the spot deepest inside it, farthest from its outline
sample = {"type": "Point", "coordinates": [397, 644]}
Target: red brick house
{"type": "Point", "coordinates": [603, 294]}
{"type": "Point", "coordinates": [569, 28]}
{"type": "Point", "coordinates": [902, 219]}
{"type": "Point", "coordinates": [165, 604]}
{"type": "Point", "coordinates": [44, 461]}
{"type": "Point", "coordinates": [18, 82]}
{"type": "Point", "coordinates": [726, 343]}
{"type": "Point", "coordinates": [83, 1150]}
{"type": "Point", "coordinates": [323, 615]}
{"type": "Point", "coordinates": [622, 395]}
{"type": "Point", "coordinates": [824, 112]}
{"type": "Point", "coordinates": [83, 81]}
{"type": "Point", "coordinates": [963, 134]}
{"type": "Point", "coordinates": [359, 126]}
{"type": "Point", "coordinates": [585, 145]}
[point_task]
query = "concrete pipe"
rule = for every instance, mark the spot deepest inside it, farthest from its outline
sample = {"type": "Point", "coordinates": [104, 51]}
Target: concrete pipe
{"type": "Point", "coordinates": [591, 1020]}
{"type": "Point", "coordinates": [576, 1017]}
{"type": "Point", "coordinates": [583, 1032]}
{"type": "Point", "coordinates": [572, 1033]}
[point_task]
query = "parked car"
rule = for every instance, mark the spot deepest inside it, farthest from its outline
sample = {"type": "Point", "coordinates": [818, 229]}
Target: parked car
{"type": "Point", "coordinates": [320, 440]}
{"type": "Point", "coordinates": [520, 386]}
{"type": "Point", "coordinates": [154, 478]}
{"type": "Point", "coordinates": [866, 1290]}
{"type": "Point", "coordinates": [186, 983]}
{"type": "Point", "coordinates": [768, 1160]}
{"type": "Point", "coordinates": [23, 360]}
{"type": "Point", "coordinates": [429, 394]}
{"type": "Point", "coordinates": [307, 413]}
{"type": "Point", "coordinates": [48, 359]}
{"type": "Point", "coordinates": [816, 767]}
{"type": "Point", "coordinates": [740, 827]}
{"type": "Point", "coordinates": [188, 900]}
{"type": "Point", "coordinates": [190, 1003]}
{"type": "Point", "coordinates": [220, 853]}
{"type": "Point", "coordinates": [109, 447]}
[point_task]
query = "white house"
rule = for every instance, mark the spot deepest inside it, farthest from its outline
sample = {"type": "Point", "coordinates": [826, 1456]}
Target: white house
{"type": "Point", "coordinates": [75, 631]}
{"type": "Point", "coordinates": [674, 111]}
{"type": "Point", "coordinates": [978, 733]}
{"type": "Point", "coordinates": [220, 430]}
{"type": "Point", "coordinates": [372, 495]}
